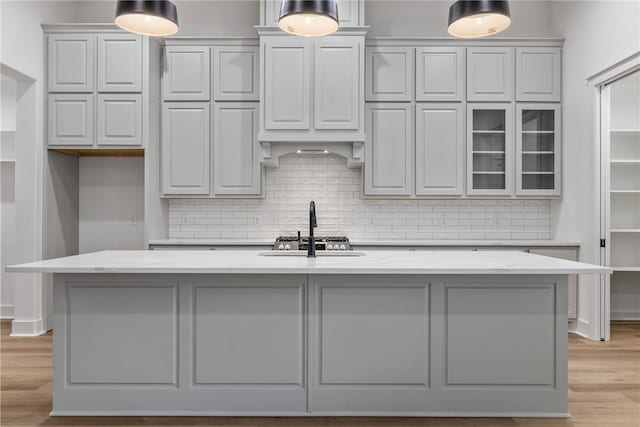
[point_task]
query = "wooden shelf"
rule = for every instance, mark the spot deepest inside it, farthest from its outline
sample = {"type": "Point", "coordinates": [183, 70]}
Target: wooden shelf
{"type": "Point", "coordinates": [538, 173]}
{"type": "Point", "coordinates": [538, 152]}
{"type": "Point", "coordinates": [538, 132]}
{"type": "Point", "coordinates": [101, 152]}
{"type": "Point", "coordinates": [488, 173]}
{"type": "Point", "coordinates": [489, 132]}
{"type": "Point", "coordinates": [488, 152]}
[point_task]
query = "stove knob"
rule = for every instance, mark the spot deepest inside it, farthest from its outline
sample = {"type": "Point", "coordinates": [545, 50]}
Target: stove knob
{"type": "Point", "coordinates": [329, 247]}
{"type": "Point", "coordinates": [287, 247]}
{"type": "Point", "coordinates": [343, 247]}
{"type": "Point", "coordinates": [280, 246]}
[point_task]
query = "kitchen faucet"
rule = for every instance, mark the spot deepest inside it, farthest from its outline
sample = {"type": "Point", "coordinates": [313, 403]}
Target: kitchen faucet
{"type": "Point", "coordinates": [311, 247]}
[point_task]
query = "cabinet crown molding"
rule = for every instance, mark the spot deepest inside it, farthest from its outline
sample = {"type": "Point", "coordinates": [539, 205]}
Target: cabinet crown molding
{"type": "Point", "coordinates": [82, 28]}
{"type": "Point", "coordinates": [343, 31]}
{"type": "Point", "coordinates": [448, 41]}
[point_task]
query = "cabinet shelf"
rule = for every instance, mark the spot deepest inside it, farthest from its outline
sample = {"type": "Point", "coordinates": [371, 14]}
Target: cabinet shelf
{"type": "Point", "coordinates": [537, 173]}
{"type": "Point", "coordinates": [625, 131]}
{"type": "Point", "coordinates": [625, 230]}
{"type": "Point", "coordinates": [625, 268]}
{"type": "Point", "coordinates": [488, 172]}
{"type": "Point", "coordinates": [630, 162]}
{"type": "Point", "coordinates": [539, 132]}
{"type": "Point", "coordinates": [539, 152]}
{"type": "Point", "coordinates": [489, 152]}
{"type": "Point", "coordinates": [490, 132]}
{"type": "Point", "coordinates": [624, 191]}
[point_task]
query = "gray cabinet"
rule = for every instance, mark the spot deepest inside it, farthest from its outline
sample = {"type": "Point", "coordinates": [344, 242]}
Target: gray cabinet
{"type": "Point", "coordinates": [71, 61]}
{"type": "Point", "coordinates": [440, 74]}
{"type": "Point", "coordinates": [490, 73]}
{"type": "Point", "coordinates": [119, 120]}
{"type": "Point", "coordinates": [439, 149]}
{"type": "Point", "coordinates": [119, 63]}
{"type": "Point", "coordinates": [186, 73]}
{"type": "Point", "coordinates": [235, 73]}
{"type": "Point", "coordinates": [388, 149]}
{"type": "Point", "coordinates": [236, 160]}
{"type": "Point", "coordinates": [571, 255]}
{"type": "Point", "coordinates": [538, 73]}
{"type": "Point", "coordinates": [70, 119]}
{"type": "Point", "coordinates": [350, 12]}
{"type": "Point", "coordinates": [389, 73]}
{"type": "Point", "coordinates": [185, 148]}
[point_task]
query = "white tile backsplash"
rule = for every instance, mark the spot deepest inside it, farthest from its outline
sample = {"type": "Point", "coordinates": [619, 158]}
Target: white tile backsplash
{"type": "Point", "coordinates": [336, 190]}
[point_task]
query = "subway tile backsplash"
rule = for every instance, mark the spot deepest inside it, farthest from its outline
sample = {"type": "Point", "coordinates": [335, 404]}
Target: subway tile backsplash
{"type": "Point", "coordinates": [342, 210]}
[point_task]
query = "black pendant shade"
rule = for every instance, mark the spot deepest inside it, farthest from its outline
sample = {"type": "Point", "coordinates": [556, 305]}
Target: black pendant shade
{"type": "Point", "coordinates": [478, 18]}
{"type": "Point", "coordinates": [147, 17]}
{"type": "Point", "coordinates": [310, 18]}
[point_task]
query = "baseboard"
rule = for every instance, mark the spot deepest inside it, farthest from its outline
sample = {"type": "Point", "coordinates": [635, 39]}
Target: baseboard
{"type": "Point", "coordinates": [6, 311]}
{"type": "Point", "coordinates": [583, 328]}
{"type": "Point", "coordinates": [27, 328]}
{"type": "Point", "coordinates": [625, 315]}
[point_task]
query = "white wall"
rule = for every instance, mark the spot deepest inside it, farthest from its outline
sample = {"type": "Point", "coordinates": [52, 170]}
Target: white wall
{"type": "Point", "coordinates": [597, 35]}
{"type": "Point", "coordinates": [111, 203]}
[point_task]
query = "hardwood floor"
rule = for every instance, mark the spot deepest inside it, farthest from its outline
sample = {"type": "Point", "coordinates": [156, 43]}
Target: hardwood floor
{"type": "Point", "coordinates": [604, 391]}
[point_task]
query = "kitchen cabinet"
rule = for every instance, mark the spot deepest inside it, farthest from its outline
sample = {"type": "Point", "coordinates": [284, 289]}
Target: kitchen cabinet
{"type": "Point", "coordinates": [490, 146]}
{"type": "Point", "coordinates": [538, 74]}
{"type": "Point", "coordinates": [350, 12]}
{"type": "Point", "coordinates": [236, 160]}
{"type": "Point", "coordinates": [119, 119]}
{"type": "Point", "coordinates": [235, 73]}
{"type": "Point", "coordinates": [440, 74]}
{"type": "Point", "coordinates": [71, 62]}
{"type": "Point", "coordinates": [389, 73]}
{"type": "Point", "coordinates": [119, 63]}
{"type": "Point", "coordinates": [186, 73]}
{"type": "Point", "coordinates": [570, 255]}
{"type": "Point", "coordinates": [388, 167]}
{"type": "Point", "coordinates": [538, 150]}
{"type": "Point", "coordinates": [185, 148]}
{"type": "Point", "coordinates": [70, 119]}
{"type": "Point", "coordinates": [312, 88]}
{"type": "Point", "coordinates": [439, 149]}
{"type": "Point", "coordinates": [490, 74]}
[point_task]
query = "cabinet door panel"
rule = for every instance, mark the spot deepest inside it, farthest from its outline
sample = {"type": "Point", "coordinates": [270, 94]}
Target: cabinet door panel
{"type": "Point", "coordinates": [185, 148]}
{"type": "Point", "coordinates": [388, 150]}
{"type": "Point", "coordinates": [70, 119]}
{"type": "Point", "coordinates": [538, 74]}
{"type": "Point", "coordinates": [120, 63]}
{"type": "Point", "coordinates": [440, 74]}
{"type": "Point", "coordinates": [119, 119]}
{"type": "Point", "coordinates": [237, 166]}
{"type": "Point", "coordinates": [287, 84]}
{"type": "Point", "coordinates": [389, 74]}
{"type": "Point", "coordinates": [337, 83]}
{"type": "Point", "coordinates": [571, 255]}
{"type": "Point", "coordinates": [235, 73]}
{"type": "Point", "coordinates": [439, 149]}
{"type": "Point", "coordinates": [490, 74]}
{"type": "Point", "coordinates": [186, 75]}
{"type": "Point", "coordinates": [71, 63]}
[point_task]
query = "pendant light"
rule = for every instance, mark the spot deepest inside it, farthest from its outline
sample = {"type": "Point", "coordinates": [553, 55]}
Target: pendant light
{"type": "Point", "coordinates": [150, 18]}
{"type": "Point", "coordinates": [310, 18]}
{"type": "Point", "coordinates": [478, 18]}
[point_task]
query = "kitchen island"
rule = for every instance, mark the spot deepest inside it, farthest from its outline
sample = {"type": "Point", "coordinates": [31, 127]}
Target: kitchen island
{"type": "Point", "coordinates": [240, 333]}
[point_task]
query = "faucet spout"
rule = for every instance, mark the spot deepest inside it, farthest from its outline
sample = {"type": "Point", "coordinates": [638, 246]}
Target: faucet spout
{"type": "Point", "coordinates": [313, 223]}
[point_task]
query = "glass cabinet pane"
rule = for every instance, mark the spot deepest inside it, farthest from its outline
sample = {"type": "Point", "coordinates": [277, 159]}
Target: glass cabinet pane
{"type": "Point", "coordinates": [538, 120]}
{"type": "Point", "coordinates": [488, 155]}
{"type": "Point", "coordinates": [538, 149]}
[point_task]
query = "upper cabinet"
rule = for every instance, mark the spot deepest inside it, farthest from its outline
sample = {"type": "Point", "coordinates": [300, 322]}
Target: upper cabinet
{"type": "Point", "coordinates": [389, 73]}
{"type": "Point", "coordinates": [119, 63]}
{"type": "Point", "coordinates": [71, 62]}
{"type": "Point", "coordinates": [440, 74]}
{"type": "Point", "coordinates": [235, 73]}
{"type": "Point", "coordinates": [186, 73]}
{"type": "Point", "coordinates": [312, 89]}
{"type": "Point", "coordinates": [538, 74]}
{"type": "Point", "coordinates": [490, 74]}
{"type": "Point", "coordinates": [350, 12]}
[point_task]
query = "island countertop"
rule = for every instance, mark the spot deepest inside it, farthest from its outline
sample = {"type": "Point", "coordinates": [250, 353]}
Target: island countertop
{"type": "Point", "coordinates": [252, 262]}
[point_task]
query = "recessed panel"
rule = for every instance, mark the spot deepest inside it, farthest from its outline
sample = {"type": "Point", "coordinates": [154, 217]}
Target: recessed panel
{"type": "Point", "coordinates": [236, 72]}
{"type": "Point", "coordinates": [119, 119]}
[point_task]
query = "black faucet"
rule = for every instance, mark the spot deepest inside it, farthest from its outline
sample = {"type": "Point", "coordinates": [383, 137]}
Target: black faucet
{"type": "Point", "coordinates": [311, 246]}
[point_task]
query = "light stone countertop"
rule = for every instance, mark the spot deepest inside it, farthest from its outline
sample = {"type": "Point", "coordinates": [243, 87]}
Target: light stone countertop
{"type": "Point", "coordinates": [251, 262]}
{"type": "Point", "coordinates": [356, 242]}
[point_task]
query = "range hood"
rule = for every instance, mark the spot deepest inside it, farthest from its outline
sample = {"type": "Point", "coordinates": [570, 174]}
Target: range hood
{"type": "Point", "coordinates": [272, 151]}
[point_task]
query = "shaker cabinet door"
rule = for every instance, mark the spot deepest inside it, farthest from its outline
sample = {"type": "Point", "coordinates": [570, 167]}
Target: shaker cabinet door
{"type": "Point", "coordinates": [439, 149]}
{"type": "Point", "coordinates": [185, 148]}
{"type": "Point", "coordinates": [235, 73]}
{"type": "Point", "coordinates": [119, 119]}
{"type": "Point", "coordinates": [389, 74]}
{"type": "Point", "coordinates": [120, 63]}
{"type": "Point", "coordinates": [186, 73]}
{"type": "Point", "coordinates": [490, 73]}
{"type": "Point", "coordinates": [236, 160]}
{"type": "Point", "coordinates": [538, 74]}
{"type": "Point", "coordinates": [70, 119]}
{"type": "Point", "coordinates": [71, 60]}
{"type": "Point", "coordinates": [337, 83]}
{"type": "Point", "coordinates": [388, 149]}
{"type": "Point", "coordinates": [440, 74]}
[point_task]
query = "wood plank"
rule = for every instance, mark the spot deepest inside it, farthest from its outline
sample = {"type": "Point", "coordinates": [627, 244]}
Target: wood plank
{"type": "Point", "coordinates": [101, 152]}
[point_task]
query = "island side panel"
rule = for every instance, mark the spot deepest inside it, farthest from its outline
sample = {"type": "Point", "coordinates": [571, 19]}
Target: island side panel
{"type": "Point", "coordinates": [486, 345]}
{"type": "Point", "coordinates": [157, 344]}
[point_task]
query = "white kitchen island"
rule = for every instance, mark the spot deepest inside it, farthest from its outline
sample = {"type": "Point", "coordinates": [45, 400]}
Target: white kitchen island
{"type": "Point", "coordinates": [239, 333]}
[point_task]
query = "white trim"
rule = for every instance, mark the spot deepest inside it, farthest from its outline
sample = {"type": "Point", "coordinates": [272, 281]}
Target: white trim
{"type": "Point", "coordinates": [27, 328]}
{"type": "Point", "coordinates": [583, 329]}
{"type": "Point", "coordinates": [449, 41]}
{"type": "Point", "coordinates": [6, 311]}
{"type": "Point", "coordinates": [625, 315]}
{"type": "Point", "coordinates": [616, 71]}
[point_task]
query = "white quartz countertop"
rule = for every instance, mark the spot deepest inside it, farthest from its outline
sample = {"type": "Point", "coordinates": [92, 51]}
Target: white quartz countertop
{"type": "Point", "coordinates": [251, 262]}
{"type": "Point", "coordinates": [356, 242]}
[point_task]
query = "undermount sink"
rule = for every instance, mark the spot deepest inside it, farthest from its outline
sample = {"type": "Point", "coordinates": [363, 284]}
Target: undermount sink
{"type": "Point", "coordinates": [318, 253]}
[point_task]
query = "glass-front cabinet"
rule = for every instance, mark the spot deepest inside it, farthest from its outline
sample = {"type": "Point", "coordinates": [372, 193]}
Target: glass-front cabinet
{"type": "Point", "coordinates": [489, 149]}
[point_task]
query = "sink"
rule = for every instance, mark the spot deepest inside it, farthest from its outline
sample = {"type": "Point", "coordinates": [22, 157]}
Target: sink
{"type": "Point", "coordinates": [318, 253]}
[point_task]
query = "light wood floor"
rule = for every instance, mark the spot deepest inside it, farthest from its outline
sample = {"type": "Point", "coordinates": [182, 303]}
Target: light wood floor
{"type": "Point", "coordinates": [604, 391]}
